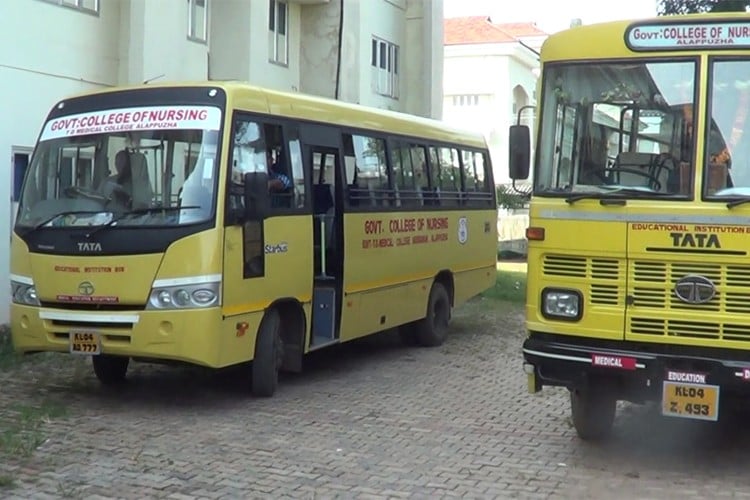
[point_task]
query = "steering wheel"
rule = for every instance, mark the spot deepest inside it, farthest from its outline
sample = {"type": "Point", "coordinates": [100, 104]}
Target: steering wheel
{"type": "Point", "coordinates": [602, 174]}
{"type": "Point", "coordinates": [82, 192]}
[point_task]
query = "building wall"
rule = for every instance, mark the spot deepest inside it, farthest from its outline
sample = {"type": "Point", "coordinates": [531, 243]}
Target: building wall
{"type": "Point", "coordinates": [497, 70]}
{"type": "Point", "coordinates": [48, 52]}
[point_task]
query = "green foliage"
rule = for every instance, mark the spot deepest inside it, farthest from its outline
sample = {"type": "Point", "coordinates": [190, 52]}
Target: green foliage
{"type": "Point", "coordinates": [671, 7]}
{"type": "Point", "coordinates": [21, 430]}
{"type": "Point", "coordinates": [7, 356]}
{"type": "Point", "coordinates": [509, 286]}
{"type": "Point", "coordinates": [510, 199]}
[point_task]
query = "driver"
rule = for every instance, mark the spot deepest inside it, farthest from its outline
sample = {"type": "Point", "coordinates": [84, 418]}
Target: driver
{"type": "Point", "coordinates": [118, 187]}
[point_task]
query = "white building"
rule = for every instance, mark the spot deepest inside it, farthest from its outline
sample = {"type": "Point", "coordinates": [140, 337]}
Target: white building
{"type": "Point", "coordinates": [382, 53]}
{"type": "Point", "coordinates": [490, 73]}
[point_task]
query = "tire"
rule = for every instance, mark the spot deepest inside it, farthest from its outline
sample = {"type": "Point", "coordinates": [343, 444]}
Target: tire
{"type": "Point", "coordinates": [269, 353]}
{"type": "Point", "coordinates": [433, 328]}
{"type": "Point", "coordinates": [408, 334]}
{"type": "Point", "coordinates": [593, 412]}
{"type": "Point", "coordinates": [110, 370]}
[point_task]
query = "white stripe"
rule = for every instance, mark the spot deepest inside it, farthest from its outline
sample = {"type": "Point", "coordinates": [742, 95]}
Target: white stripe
{"type": "Point", "coordinates": [190, 280]}
{"type": "Point", "coordinates": [89, 318]}
{"type": "Point", "coordinates": [574, 358]}
{"type": "Point", "coordinates": [664, 218]}
{"type": "Point", "coordinates": [21, 279]}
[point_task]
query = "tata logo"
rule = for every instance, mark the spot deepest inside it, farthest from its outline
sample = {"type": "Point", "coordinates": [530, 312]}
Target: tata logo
{"type": "Point", "coordinates": [86, 288]}
{"type": "Point", "coordinates": [89, 246]}
{"type": "Point", "coordinates": [695, 240]}
{"type": "Point", "coordinates": [694, 289]}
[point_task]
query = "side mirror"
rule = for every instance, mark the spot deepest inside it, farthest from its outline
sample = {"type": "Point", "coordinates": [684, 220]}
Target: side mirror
{"type": "Point", "coordinates": [256, 197]}
{"type": "Point", "coordinates": [519, 149]}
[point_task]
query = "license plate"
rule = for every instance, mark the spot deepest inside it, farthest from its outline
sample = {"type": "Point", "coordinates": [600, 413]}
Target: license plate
{"type": "Point", "coordinates": [696, 401]}
{"type": "Point", "coordinates": [85, 343]}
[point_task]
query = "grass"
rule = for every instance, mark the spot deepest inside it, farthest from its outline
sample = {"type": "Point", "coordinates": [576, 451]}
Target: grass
{"type": "Point", "coordinates": [21, 428]}
{"type": "Point", "coordinates": [510, 284]}
{"type": "Point", "coordinates": [7, 356]}
{"type": "Point", "coordinates": [7, 482]}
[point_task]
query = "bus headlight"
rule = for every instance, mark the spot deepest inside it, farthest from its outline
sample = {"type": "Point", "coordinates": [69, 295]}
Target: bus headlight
{"type": "Point", "coordinates": [24, 293]}
{"type": "Point", "coordinates": [185, 296]}
{"type": "Point", "coordinates": [561, 304]}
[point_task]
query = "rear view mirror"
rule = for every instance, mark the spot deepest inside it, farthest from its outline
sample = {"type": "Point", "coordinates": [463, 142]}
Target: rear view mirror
{"type": "Point", "coordinates": [519, 149]}
{"type": "Point", "coordinates": [256, 197]}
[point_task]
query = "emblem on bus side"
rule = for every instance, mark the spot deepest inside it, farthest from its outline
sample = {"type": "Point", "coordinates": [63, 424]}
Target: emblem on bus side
{"type": "Point", "coordinates": [463, 230]}
{"type": "Point", "coordinates": [695, 289]}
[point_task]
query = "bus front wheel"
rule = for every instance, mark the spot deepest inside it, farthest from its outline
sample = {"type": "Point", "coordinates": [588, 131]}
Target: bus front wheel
{"type": "Point", "coordinates": [593, 411]}
{"type": "Point", "coordinates": [269, 353]}
{"type": "Point", "coordinates": [433, 328]}
{"type": "Point", "coordinates": [110, 370]}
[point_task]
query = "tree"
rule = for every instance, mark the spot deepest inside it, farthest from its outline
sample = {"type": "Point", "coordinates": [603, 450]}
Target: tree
{"type": "Point", "coordinates": [670, 7]}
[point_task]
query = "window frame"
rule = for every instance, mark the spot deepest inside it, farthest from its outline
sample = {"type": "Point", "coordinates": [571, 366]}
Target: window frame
{"type": "Point", "coordinates": [384, 62]}
{"type": "Point", "coordinates": [77, 5]}
{"type": "Point", "coordinates": [274, 35]}
{"type": "Point", "coordinates": [192, 24]}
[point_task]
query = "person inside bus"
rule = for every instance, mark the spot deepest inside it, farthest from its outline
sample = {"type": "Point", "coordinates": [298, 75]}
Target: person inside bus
{"type": "Point", "coordinates": [118, 187]}
{"type": "Point", "coordinates": [279, 184]}
{"type": "Point", "coordinates": [129, 186]}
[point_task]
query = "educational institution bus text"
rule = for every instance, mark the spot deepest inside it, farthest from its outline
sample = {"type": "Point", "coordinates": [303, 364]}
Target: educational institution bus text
{"type": "Point", "coordinates": [639, 219]}
{"type": "Point", "coordinates": [188, 223]}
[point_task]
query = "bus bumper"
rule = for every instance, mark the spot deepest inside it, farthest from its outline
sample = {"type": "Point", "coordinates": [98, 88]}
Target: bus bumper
{"type": "Point", "coordinates": [636, 371]}
{"type": "Point", "coordinates": [190, 336]}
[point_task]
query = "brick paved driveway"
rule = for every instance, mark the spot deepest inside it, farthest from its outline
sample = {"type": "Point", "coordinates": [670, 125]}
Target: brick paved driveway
{"type": "Point", "coordinates": [369, 420]}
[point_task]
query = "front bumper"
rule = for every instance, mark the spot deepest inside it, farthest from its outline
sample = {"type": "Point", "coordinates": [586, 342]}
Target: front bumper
{"type": "Point", "coordinates": [638, 369]}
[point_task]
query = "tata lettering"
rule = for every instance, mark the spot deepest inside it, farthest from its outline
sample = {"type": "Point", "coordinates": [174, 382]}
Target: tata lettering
{"type": "Point", "coordinates": [695, 240]}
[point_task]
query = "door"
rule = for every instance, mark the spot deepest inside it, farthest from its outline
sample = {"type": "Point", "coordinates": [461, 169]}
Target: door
{"type": "Point", "coordinates": [322, 157]}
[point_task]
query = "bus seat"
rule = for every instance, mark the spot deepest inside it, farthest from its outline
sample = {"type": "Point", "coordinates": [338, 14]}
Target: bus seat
{"type": "Point", "coordinates": [650, 164]}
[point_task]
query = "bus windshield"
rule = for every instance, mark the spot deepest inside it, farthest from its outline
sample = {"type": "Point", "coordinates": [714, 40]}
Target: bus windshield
{"type": "Point", "coordinates": [608, 126]}
{"type": "Point", "coordinates": [728, 145]}
{"type": "Point", "coordinates": [137, 167]}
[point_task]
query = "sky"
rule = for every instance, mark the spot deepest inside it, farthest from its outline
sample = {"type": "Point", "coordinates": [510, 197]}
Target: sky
{"type": "Point", "coordinates": [551, 15]}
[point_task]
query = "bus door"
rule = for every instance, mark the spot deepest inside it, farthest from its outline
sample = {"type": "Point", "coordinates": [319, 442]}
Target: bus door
{"type": "Point", "coordinates": [322, 157]}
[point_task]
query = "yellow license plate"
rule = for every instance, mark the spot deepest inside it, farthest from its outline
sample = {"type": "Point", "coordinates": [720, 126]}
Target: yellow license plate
{"type": "Point", "coordinates": [696, 401]}
{"type": "Point", "coordinates": [85, 343]}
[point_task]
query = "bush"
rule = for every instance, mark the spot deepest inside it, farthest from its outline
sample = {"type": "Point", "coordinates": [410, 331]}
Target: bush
{"type": "Point", "coordinates": [6, 345]}
{"type": "Point", "coordinates": [509, 198]}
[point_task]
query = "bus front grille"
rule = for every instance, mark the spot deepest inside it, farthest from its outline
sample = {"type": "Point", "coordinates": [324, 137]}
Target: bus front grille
{"type": "Point", "coordinates": [601, 276]}
{"type": "Point", "coordinates": [652, 294]}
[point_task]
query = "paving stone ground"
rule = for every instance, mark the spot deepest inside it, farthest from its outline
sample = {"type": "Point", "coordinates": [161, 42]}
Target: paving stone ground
{"type": "Point", "coordinates": [371, 419]}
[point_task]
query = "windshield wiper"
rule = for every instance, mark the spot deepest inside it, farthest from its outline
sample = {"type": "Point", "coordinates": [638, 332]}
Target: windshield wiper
{"type": "Point", "coordinates": [138, 211]}
{"type": "Point", "coordinates": [738, 202]}
{"type": "Point", "coordinates": [618, 193]}
{"type": "Point", "coordinates": [63, 214]}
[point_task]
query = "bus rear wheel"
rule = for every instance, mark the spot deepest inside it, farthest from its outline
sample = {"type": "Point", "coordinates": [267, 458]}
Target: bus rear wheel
{"type": "Point", "coordinates": [593, 411]}
{"type": "Point", "coordinates": [432, 330]}
{"type": "Point", "coordinates": [269, 354]}
{"type": "Point", "coordinates": [110, 370]}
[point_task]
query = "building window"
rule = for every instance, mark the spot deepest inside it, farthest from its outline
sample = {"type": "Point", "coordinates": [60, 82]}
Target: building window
{"type": "Point", "coordinates": [91, 6]}
{"type": "Point", "coordinates": [384, 63]}
{"type": "Point", "coordinates": [278, 27]}
{"type": "Point", "coordinates": [466, 100]}
{"type": "Point", "coordinates": [198, 20]}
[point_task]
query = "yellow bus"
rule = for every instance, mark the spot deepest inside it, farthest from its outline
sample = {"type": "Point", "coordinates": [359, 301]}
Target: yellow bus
{"type": "Point", "coordinates": [220, 224]}
{"type": "Point", "coordinates": [639, 229]}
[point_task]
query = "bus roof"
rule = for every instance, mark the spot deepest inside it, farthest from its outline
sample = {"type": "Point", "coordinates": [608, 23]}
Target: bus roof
{"type": "Point", "coordinates": [609, 40]}
{"type": "Point", "coordinates": [242, 95]}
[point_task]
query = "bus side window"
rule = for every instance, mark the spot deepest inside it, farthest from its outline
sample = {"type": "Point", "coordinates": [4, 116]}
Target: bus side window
{"type": "Point", "coordinates": [403, 168]}
{"type": "Point", "coordinates": [371, 169]}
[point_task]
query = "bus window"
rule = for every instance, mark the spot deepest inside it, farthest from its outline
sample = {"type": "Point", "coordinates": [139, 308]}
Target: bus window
{"type": "Point", "coordinates": [449, 176]}
{"type": "Point", "coordinates": [595, 115]}
{"type": "Point", "coordinates": [370, 182]}
{"type": "Point", "coordinates": [404, 165]}
{"type": "Point", "coordinates": [295, 162]}
{"type": "Point", "coordinates": [728, 137]}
